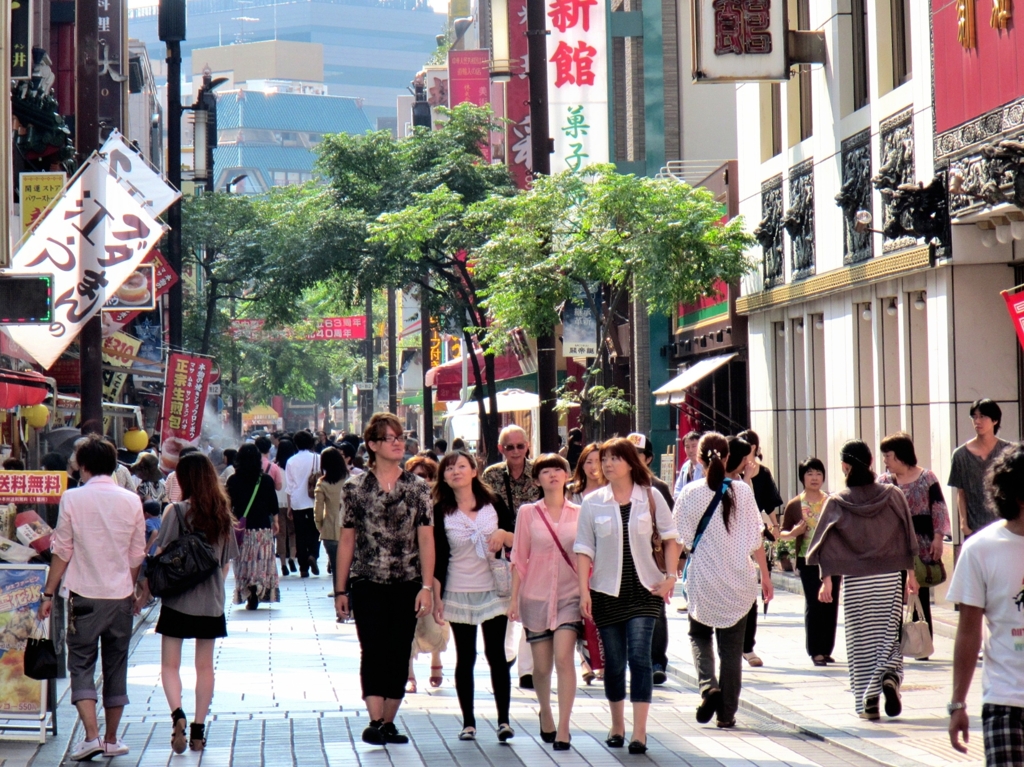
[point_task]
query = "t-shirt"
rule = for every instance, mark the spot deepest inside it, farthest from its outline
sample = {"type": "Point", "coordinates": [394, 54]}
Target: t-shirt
{"type": "Point", "coordinates": [990, 574]}
{"type": "Point", "coordinates": [811, 513]}
{"type": "Point", "coordinates": [967, 473]}
{"type": "Point", "coordinates": [152, 526]}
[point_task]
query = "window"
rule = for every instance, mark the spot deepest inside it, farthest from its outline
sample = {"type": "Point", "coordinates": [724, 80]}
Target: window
{"type": "Point", "coordinates": [771, 120]}
{"type": "Point", "coordinates": [859, 12]}
{"type": "Point", "coordinates": [902, 69]}
{"type": "Point", "coordinates": [806, 118]}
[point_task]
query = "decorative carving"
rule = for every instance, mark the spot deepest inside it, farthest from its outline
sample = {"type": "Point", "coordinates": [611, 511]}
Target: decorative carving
{"type": "Point", "coordinates": [999, 122]}
{"type": "Point", "coordinates": [1002, 12]}
{"type": "Point", "coordinates": [769, 232]}
{"type": "Point", "coordinates": [994, 176]}
{"type": "Point", "coordinates": [854, 195]}
{"type": "Point", "coordinates": [799, 219]}
{"type": "Point", "coordinates": [965, 23]}
{"type": "Point", "coordinates": [896, 155]}
{"type": "Point", "coordinates": [916, 211]}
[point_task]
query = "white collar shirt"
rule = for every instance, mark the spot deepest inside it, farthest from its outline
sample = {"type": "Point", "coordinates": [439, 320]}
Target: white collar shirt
{"type": "Point", "coordinates": [684, 478]}
{"type": "Point", "coordinates": [296, 471]}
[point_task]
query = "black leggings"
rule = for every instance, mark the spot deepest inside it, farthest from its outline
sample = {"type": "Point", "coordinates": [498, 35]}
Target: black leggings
{"type": "Point", "coordinates": [465, 660]}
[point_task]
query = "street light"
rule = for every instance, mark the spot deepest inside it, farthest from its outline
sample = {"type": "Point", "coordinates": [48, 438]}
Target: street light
{"type": "Point", "coordinates": [229, 187]}
{"type": "Point", "coordinates": [501, 66]}
{"type": "Point", "coordinates": [205, 134]}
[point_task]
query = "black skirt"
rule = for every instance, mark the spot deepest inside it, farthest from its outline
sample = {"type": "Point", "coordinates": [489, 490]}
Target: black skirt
{"type": "Point", "coordinates": [176, 624]}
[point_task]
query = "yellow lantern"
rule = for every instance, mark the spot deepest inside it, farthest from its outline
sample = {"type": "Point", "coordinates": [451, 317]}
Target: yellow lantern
{"type": "Point", "coordinates": [136, 440]}
{"type": "Point", "coordinates": [36, 416]}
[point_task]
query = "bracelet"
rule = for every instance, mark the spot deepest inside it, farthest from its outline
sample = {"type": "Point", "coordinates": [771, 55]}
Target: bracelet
{"type": "Point", "coordinates": [427, 588]}
{"type": "Point", "coordinates": [44, 597]}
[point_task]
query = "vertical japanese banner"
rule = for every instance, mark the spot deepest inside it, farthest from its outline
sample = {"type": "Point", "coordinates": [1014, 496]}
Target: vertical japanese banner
{"type": "Point", "coordinates": [1015, 306]}
{"type": "Point", "coordinates": [469, 80]}
{"type": "Point", "coordinates": [577, 52]}
{"type": "Point", "coordinates": [113, 75]}
{"type": "Point", "coordinates": [21, 40]}
{"type": "Point", "coordinates": [517, 97]}
{"type": "Point", "coordinates": [186, 384]}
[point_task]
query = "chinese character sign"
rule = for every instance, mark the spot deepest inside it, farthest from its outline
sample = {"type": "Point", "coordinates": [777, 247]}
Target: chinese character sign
{"type": "Point", "coordinates": [577, 53]}
{"type": "Point", "coordinates": [113, 69]}
{"type": "Point", "coordinates": [519, 150]}
{"type": "Point", "coordinates": [37, 191]}
{"type": "Point", "coordinates": [21, 40]}
{"type": "Point", "coordinates": [32, 486]}
{"type": "Point", "coordinates": [739, 41]}
{"type": "Point", "coordinates": [186, 385]}
{"type": "Point", "coordinates": [469, 80]}
{"type": "Point", "coordinates": [330, 329]}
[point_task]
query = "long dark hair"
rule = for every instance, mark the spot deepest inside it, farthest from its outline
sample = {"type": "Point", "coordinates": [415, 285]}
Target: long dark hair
{"type": "Point", "coordinates": [332, 463]}
{"type": "Point", "coordinates": [209, 506]}
{"type": "Point", "coordinates": [579, 477]}
{"type": "Point", "coordinates": [713, 451]}
{"type": "Point", "coordinates": [857, 455]}
{"type": "Point", "coordinates": [249, 464]}
{"type": "Point", "coordinates": [285, 450]}
{"type": "Point", "coordinates": [626, 450]}
{"type": "Point", "coordinates": [444, 496]}
{"type": "Point", "coordinates": [739, 449]}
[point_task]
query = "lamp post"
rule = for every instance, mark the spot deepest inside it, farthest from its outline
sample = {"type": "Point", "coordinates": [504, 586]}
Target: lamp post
{"type": "Point", "coordinates": [171, 31]}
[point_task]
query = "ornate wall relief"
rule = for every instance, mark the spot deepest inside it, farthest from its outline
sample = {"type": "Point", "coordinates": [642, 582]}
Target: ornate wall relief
{"type": "Point", "coordinates": [896, 157]}
{"type": "Point", "coordinates": [855, 195]}
{"type": "Point", "coordinates": [799, 219]}
{"type": "Point", "coordinates": [769, 232]}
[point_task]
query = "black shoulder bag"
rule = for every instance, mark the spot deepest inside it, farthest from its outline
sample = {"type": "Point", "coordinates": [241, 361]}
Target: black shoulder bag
{"type": "Point", "coordinates": [186, 562]}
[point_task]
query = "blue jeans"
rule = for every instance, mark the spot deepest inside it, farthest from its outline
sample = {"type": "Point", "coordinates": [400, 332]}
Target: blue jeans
{"type": "Point", "coordinates": [628, 641]}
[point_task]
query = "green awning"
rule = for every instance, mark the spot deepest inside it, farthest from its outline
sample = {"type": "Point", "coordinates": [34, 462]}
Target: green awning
{"type": "Point", "coordinates": [413, 399]}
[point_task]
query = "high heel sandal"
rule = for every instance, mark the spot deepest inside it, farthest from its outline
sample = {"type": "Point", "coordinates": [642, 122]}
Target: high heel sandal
{"type": "Point", "coordinates": [197, 736]}
{"type": "Point", "coordinates": [178, 743]}
{"type": "Point", "coordinates": [436, 679]}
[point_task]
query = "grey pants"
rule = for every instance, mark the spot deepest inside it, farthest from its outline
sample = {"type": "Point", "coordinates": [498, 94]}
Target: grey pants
{"type": "Point", "coordinates": [92, 624]}
{"type": "Point", "coordinates": [730, 651]}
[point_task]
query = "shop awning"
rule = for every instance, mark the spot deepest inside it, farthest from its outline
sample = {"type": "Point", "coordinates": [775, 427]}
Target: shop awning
{"type": "Point", "coordinates": [674, 391]}
{"type": "Point", "coordinates": [22, 389]}
{"type": "Point", "coordinates": [446, 379]}
{"type": "Point", "coordinates": [509, 401]}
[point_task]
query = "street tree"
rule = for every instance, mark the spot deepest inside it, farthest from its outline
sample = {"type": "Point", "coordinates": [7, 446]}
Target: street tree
{"type": "Point", "coordinates": [594, 238]}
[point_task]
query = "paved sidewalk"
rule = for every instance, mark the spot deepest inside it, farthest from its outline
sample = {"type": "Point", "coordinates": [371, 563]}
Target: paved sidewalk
{"type": "Point", "coordinates": [790, 689]}
{"type": "Point", "coordinates": [288, 694]}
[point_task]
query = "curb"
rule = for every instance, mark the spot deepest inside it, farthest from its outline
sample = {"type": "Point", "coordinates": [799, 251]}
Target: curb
{"type": "Point", "coordinates": [55, 751]}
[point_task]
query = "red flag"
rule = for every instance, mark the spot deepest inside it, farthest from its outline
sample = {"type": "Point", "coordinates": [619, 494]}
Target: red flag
{"type": "Point", "coordinates": [1015, 306]}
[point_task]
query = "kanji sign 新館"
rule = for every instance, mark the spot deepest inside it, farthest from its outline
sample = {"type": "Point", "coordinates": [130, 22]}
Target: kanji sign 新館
{"type": "Point", "coordinates": [577, 52]}
{"type": "Point", "coordinates": [739, 41]}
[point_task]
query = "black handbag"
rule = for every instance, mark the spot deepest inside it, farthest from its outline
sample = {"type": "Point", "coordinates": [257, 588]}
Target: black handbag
{"type": "Point", "coordinates": [186, 562]}
{"type": "Point", "coordinates": [40, 659]}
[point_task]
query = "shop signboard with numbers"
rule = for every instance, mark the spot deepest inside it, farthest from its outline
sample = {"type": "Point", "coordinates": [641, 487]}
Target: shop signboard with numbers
{"type": "Point", "coordinates": [577, 54]}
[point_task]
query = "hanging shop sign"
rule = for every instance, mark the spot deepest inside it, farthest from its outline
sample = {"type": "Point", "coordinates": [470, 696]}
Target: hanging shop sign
{"type": "Point", "coordinates": [517, 98]}
{"type": "Point", "coordinates": [112, 44]}
{"type": "Point", "coordinates": [137, 293]}
{"type": "Point", "coordinates": [577, 54]}
{"type": "Point", "coordinates": [186, 385]}
{"type": "Point", "coordinates": [1015, 306]}
{"type": "Point", "coordinates": [21, 40]}
{"type": "Point", "coordinates": [739, 41]}
{"type": "Point", "coordinates": [579, 331]}
{"type": "Point", "coordinates": [469, 81]}
{"type": "Point", "coordinates": [137, 177]}
{"type": "Point", "coordinates": [32, 486]}
{"type": "Point", "coordinates": [330, 329]}
{"type": "Point", "coordinates": [36, 191]}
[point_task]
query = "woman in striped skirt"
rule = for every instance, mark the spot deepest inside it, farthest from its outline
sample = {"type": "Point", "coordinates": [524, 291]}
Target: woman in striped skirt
{"type": "Point", "coordinates": [866, 535]}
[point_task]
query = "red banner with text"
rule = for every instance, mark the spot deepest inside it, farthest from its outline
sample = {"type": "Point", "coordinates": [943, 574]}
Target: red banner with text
{"type": "Point", "coordinates": [186, 384]}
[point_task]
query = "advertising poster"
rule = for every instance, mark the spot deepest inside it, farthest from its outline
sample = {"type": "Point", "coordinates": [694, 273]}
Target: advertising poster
{"type": "Point", "coordinates": [186, 384]}
{"type": "Point", "coordinates": [137, 293]}
{"type": "Point", "coordinates": [20, 587]}
{"type": "Point", "coordinates": [38, 190]}
{"type": "Point", "coordinates": [32, 486]}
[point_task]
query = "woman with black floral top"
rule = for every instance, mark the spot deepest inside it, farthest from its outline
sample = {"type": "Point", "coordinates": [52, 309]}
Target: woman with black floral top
{"type": "Point", "coordinates": [386, 568]}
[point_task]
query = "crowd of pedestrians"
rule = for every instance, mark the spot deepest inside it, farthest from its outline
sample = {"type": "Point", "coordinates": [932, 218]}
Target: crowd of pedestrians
{"type": "Point", "coordinates": [566, 557]}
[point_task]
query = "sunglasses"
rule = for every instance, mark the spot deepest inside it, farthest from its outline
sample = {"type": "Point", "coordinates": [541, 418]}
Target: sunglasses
{"type": "Point", "coordinates": [519, 446]}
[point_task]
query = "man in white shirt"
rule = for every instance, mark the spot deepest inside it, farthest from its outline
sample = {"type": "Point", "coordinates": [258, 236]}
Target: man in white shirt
{"type": "Point", "coordinates": [989, 583]}
{"type": "Point", "coordinates": [98, 548]}
{"type": "Point", "coordinates": [296, 472]}
{"type": "Point", "coordinates": [691, 468]}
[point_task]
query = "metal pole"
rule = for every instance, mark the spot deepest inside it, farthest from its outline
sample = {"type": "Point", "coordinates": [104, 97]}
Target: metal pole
{"type": "Point", "coordinates": [426, 336]}
{"type": "Point", "coordinates": [366, 396]}
{"type": "Point", "coordinates": [90, 340]}
{"type": "Point", "coordinates": [392, 353]}
{"type": "Point", "coordinates": [174, 176]}
{"type": "Point", "coordinates": [344, 406]}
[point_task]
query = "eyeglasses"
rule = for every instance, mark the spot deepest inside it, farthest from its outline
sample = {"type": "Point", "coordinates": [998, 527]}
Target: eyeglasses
{"type": "Point", "coordinates": [520, 446]}
{"type": "Point", "coordinates": [389, 438]}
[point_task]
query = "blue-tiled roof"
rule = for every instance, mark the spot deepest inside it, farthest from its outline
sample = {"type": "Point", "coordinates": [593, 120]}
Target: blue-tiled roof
{"type": "Point", "coordinates": [290, 112]}
{"type": "Point", "coordinates": [231, 159]}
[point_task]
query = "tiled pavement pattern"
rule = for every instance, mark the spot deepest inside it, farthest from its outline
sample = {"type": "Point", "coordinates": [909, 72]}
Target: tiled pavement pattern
{"type": "Point", "coordinates": [288, 694]}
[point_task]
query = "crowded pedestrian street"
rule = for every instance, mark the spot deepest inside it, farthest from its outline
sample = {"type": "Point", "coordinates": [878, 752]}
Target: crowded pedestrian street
{"type": "Point", "coordinates": [288, 694]}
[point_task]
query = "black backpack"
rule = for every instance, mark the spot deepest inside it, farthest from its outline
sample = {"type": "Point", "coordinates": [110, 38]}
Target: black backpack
{"type": "Point", "coordinates": [186, 562]}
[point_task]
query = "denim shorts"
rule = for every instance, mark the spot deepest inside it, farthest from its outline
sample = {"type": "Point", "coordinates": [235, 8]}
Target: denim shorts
{"type": "Point", "coordinates": [543, 636]}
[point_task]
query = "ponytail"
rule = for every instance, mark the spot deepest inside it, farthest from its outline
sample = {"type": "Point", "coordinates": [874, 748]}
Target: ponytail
{"type": "Point", "coordinates": [713, 451]}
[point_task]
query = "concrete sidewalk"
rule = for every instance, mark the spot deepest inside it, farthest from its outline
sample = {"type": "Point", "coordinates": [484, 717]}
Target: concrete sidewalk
{"type": "Point", "coordinates": [818, 701]}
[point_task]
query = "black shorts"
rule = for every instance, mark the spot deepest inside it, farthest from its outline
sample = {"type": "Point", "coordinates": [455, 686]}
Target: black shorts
{"type": "Point", "coordinates": [183, 626]}
{"type": "Point", "coordinates": [543, 636]}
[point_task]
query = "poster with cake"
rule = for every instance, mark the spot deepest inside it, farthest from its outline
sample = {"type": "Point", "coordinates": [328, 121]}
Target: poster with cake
{"type": "Point", "coordinates": [20, 587]}
{"type": "Point", "coordinates": [138, 293]}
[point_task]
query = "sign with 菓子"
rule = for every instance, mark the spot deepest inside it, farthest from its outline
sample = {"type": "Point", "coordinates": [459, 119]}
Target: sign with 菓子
{"type": "Point", "coordinates": [577, 54]}
{"type": "Point", "coordinates": [739, 41]}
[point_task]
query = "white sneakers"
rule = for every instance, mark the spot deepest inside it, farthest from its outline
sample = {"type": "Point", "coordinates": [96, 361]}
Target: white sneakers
{"type": "Point", "coordinates": [85, 750]}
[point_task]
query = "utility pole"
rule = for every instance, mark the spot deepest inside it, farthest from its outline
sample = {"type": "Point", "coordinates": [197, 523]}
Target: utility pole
{"type": "Point", "coordinates": [366, 395]}
{"type": "Point", "coordinates": [172, 32]}
{"type": "Point", "coordinates": [392, 353]}
{"type": "Point", "coordinates": [87, 128]}
{"type": "Point", "coordinates": [541, 143]}
{"type": "Point", "coordinates": [426, 338]}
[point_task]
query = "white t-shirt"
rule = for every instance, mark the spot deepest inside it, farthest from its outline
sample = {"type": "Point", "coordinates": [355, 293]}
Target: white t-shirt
{"type": "Point", "coordinates": [721, 580]}
{"type": "Point", "coordinates": [990, 575]}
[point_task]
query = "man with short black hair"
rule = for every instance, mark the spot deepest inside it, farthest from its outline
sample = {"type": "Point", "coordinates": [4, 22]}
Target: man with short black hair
{"type": "Point", "coordinates": [440, 448]}
{"type": "Point", "coordinates": [691, 468]}
{"type": "Point", "coordinates": [296, 472]}
{"type": "Point", "coordinates": [98, 548]}
{"type": "Point", "coordinates": [971, 461]}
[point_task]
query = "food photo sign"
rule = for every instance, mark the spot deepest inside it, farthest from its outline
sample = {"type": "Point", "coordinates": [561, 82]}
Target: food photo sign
{"type": "Point", "coordinates": [21, 698]}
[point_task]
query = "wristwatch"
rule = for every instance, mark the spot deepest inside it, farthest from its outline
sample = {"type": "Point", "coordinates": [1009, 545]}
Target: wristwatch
{"type": "Point", "coordinates": [955, 706]}
{"type": "Point", "coordinates": [45, 597]}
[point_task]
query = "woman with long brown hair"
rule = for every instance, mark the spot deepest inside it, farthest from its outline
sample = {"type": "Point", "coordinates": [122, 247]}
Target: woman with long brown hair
{"type": "Point", "coordinates": [587, 476]}
{"type": "Point", "coordinates": [199, 612]}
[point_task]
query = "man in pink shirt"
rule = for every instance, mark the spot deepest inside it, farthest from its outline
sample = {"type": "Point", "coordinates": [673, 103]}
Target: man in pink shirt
{"type": "Point", "coordinates": [98, 548]}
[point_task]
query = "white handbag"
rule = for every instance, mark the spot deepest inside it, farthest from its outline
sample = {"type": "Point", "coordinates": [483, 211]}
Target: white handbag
{"type": "Point", "coordinates": [916, 641]}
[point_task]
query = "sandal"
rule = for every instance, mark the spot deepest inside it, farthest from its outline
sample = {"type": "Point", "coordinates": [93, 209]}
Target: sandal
{"type": "Point", "coordinates": [410, 686]}
{"type": "Point", "coordinates": [468, 733]}
{"type": "Point", "coordinates": [436, 679]}
{"type": "Point", "coordinates": [197, 736]}
{"type": "Point", "coordinates": [178, 743]}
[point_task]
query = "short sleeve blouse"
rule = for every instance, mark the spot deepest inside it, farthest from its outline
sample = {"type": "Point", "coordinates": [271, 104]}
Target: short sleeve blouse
{"type": "Point", "coordinates": [549, 592]}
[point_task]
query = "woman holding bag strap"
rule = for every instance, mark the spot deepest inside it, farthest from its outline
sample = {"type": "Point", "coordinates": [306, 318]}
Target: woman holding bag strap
{"type": "Point", "coordinates": [254, 499]}
{"type": "Point", "coordinates": [546, 593]}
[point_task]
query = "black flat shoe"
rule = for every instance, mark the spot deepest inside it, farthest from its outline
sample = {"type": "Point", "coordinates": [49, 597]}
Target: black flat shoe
{"type": "Point", "coordinates": [372, 733]}
{"type": "Point", "coordinates": [709, 706]}
{"type": "Point", "coordinates": [829, 659]}
{"type": "Point", "coordinates": [392, 735]}
{"type": "Point", "coordinates": [291, 565]}
{"type": "Point", "coordinates": [505, 732]}
{"type": "Point", "coordinates": [314, 566]}
{"type": "Point", "coordinates": [547, 737]}
{"type": "Point", "coordinates": [615, 741]}
{"type": "Point", "coordinates": [636, 747]}
{"type": "Point", "coordinates": [561, 745]}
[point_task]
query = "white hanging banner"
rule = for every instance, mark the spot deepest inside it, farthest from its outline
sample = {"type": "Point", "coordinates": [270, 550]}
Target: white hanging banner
{"type": "Point", "coordinates": [577, 53]}
{"type": "Point", "coordinates": [135, 175]}
{"type": "Point", "coordinates": [93, 238]}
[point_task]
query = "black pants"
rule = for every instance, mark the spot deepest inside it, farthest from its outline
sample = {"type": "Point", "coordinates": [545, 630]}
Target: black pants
{"type": "Point", "coordinates": [819, 617]}
{"type": "Point", "coordinates": [659, 643]}
{"type": "Point", "coordinates": [385, 615]}
{"type": "Point", "coordinates": [750, 632]}
{"type": "Point", "coordinates": [307, 538]}
{"type": "Point", "coordinates": [465, 660]}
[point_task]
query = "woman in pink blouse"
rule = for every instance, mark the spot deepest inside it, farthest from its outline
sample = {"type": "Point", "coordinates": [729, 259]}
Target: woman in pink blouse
{"type": "Point", "coordinates": [546, 593]}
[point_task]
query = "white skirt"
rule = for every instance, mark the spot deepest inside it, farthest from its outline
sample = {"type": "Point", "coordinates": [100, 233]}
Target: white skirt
{"type": "Point", "coordinates": [474, 607]}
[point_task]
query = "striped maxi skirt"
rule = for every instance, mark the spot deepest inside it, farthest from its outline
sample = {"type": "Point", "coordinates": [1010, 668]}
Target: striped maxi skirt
{"type": "Point", "coordinates": [873, 618]}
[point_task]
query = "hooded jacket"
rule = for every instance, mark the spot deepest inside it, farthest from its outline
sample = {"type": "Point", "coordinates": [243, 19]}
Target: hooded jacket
{"type": "Point", "coordinates": [866, 530]}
